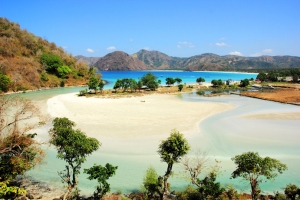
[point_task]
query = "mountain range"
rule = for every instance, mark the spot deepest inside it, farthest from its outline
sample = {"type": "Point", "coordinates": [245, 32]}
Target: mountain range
{"type": "Point", "coordinates": [155, 60]}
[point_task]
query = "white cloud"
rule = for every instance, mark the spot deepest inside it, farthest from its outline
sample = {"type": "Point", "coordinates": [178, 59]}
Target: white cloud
{"type": "Point", "coordinates": [235, 53]}
{"type": "Point", "coordinates": [146, 48]}
{"type": "Point", "coordinates": [110, 48]}
{"type": "Point", "coordinates": [267, 50]}
{"type": "Point", "coordinates": [90, 50]}
{"type": "Point", "coordinates": [188, 44]}
{"type": "Point", "coordinates": [255, 54]}
{"type": "Point", "coordinates": [221, 44]}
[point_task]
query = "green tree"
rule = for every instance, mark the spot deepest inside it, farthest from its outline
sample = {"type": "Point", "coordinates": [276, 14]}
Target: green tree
{"type": "Point", "coordinates": [171, 151]}
{"type": "Point", "coordinates": [180, 87]}
{"type": "Point", "coordinates": [101, 85]}
{"type": "Point", "coordinates": [150, 183]}
{"type": "Point", "coordinates": [178, 80]}
{"type": "Point", "coordinates": [150, 81]}
{"type": "Point", "coordinates": [262, 76]}
{"type": "Point", "coordinates": [139, 85]}
{"type": "Point", "coordinates": [255, 169]}
{"type": "Point", "coordinates": [51, 62]}
{"type": "Point", "coordinates": [4, 83]}
{"type": "Point", "coordinates": [292, 191]}
{"type": "Point", "coordinates": [73, 146]}
{"type": "Point", "coordinates": [63, 71]}
{"type": "Point", "coordinates": [101, 174]}
{"type": "Point", "coordinates": [170, 81]}
{"type": "Point", "coordinates": [200, 80]}
{"type": "Point", "coordinates": [209, 188]}
{"type": "Point", "coordinates": [117, 85]}
{"type": "Point", "coordinates": [93, 83]}
{"type": "Point", "coordinates": [217, 83]}
{"type": "Point", "coordinates": [245, 82]}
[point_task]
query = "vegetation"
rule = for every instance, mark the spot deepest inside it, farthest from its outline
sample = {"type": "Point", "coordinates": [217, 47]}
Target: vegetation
{"type": "Point", "coordinates": [101, 174]}
{"type": "Point", "coordinates": [19, 152]}
{"type": "Point", "coordinates": [245, 82]}
{"type": "Point", "coordinates": [31, 62]}
{"type": "Point", "coordinates": [171, 151]}
{"type": "Point", "coordinates": [150, 81]}
{"type": "Point", "coordinates": [4, 83]}
{"type": "Point", "coordinates": [217, 83]}
{"type": "Point", "coordinates": [255, 169]}
{"type": "Point", "coordinates": [151, 186]}
{"type": "Point", "coordinates": [73, 146]}
{"type": "Point", "coordinates": [200, 80]}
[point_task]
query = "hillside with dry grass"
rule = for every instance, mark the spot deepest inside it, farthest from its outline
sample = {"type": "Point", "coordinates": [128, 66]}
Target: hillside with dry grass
{"type": "Point", "coordinates": [20, 61]}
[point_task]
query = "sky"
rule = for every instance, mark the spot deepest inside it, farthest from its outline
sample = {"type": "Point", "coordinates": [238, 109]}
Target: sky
{"type": "Point", "coordinates": [179, 28]}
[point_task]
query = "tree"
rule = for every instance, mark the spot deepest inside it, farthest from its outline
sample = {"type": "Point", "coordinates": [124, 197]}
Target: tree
{"type": "Point", "coordinates": [170, 81]}
{"type": "Point", "coordinates": [101, 85]}
{"type": "Point", "coordinates": [73, 146]}
{"type": "Point", "coordinates": [292, 191]}
{"type": "Point", "coordinates": [262, 76]}
{"type": "Point", "coordinates": [117, 85]}
{"type": "Point", "coordinates": [178, 80]}
{"type": "Point", "coordinates": [171, 151]}
{"type": "Point", "coordinates": [217, 82]}
{"type": "Point", "coordinates": [93, 83]}
{"type": "Point", "coordinates": [200, 80]}
{"type": "Point", "coordinates": [209, 188]}
{"type": "Point", "coordinates": [19, 152]}
{"type": "Point", "coordinates": [150, 182]}
{"type": "Point", "coordinates": [139, 85]}
{"type": "Point", "coordinates": [244, 83]}
{"type": "Point", "coordinates": [51, 62]}
{"type": "Point", "coordinates": [255, 169]}
{"type": "Point", "coordinates": [63, 71]}
{"type": "Point", "coordinates": [4, 83]}
{"type": "Point", "coordinates": [194, 165]}
{"type": "Point", "coordinates": [180, 87]}
{"type": "Point", "coordinates": [101, 174]}
{"type": "Point", "coordinates": [150, 81]}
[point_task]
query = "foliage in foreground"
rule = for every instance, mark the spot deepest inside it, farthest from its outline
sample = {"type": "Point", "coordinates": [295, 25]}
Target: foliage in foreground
{"type": "Point", "coordinates": [255, 169]}
{"type": "Point", "coordinates": [101, 174]}
{"type": "Point", "coordinates": [19, 152]}
{"type": "Point", "coordinates": [73, 146]}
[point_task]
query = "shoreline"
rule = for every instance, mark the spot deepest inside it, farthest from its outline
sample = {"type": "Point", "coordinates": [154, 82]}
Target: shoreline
{"type": "Point", "coordinates": [126, 117]}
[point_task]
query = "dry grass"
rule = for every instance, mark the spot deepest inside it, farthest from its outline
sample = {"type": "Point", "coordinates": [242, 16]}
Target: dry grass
{"type": "Point", "coordinates": [287, 95]}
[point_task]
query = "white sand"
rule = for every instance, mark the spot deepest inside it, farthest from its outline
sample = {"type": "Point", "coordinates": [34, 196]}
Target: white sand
{"type": "Point", "coordinates": [147, 116]}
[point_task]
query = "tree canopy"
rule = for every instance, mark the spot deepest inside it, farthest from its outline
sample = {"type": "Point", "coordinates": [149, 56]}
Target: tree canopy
{"type": "Point", "coordinates": [252, 167]}
{"type": "Point", "coordinates": [150, 81]}
{"type": "Point", "coordinates": [171, 151]}
{"type": "Point", "coordinates": [4, 83]}
{"type": "Point", "coordinates": [200, 80]}
{"type": "Point", "coordinates": [73, 146]}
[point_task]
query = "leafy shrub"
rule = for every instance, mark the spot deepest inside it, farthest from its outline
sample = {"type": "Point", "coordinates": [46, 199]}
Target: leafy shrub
{"type": "Point", "coordinates": [10, 191]}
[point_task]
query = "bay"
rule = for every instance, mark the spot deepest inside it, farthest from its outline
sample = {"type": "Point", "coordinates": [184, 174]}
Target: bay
{"type": "Point", "coordinates": [225, 135]}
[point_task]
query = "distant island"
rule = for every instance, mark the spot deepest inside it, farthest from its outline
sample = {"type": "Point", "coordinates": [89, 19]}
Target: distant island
{"type": "Point", "coordinates": [155, 60]}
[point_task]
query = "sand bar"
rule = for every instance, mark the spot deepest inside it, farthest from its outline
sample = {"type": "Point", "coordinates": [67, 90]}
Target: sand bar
{"type": "Point", "coordinates": [147, 116]}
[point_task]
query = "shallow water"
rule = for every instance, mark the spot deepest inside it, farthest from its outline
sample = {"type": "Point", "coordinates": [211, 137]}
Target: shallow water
{"type": "Point", "coordinates": [225, 135]}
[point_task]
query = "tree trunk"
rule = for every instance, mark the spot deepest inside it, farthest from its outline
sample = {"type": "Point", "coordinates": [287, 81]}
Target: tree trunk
{"type": "Point", "coordinates": [165, 191]}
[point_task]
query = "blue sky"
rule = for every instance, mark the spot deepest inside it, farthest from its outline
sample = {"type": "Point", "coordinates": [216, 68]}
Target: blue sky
{"type": "Point", "coordinates": [179, 28]}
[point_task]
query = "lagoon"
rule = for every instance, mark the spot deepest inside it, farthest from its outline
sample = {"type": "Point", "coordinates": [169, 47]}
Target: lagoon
{"type": "Point", "coordinates": [225, 134]}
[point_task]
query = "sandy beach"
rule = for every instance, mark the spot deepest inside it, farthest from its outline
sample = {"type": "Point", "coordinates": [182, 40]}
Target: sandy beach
{"type": "Point", "coordinates": [147, 116]}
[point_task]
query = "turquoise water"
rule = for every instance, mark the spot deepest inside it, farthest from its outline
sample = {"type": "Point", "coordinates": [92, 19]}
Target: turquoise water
{"type": "Point", "coordinates": [187, 77]}
{"type": "Point", "coordinates": [225, 135]}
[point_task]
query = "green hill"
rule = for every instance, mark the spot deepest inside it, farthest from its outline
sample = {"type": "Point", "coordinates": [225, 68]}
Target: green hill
{"type": "Point", "coordinates": [21, 61]}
